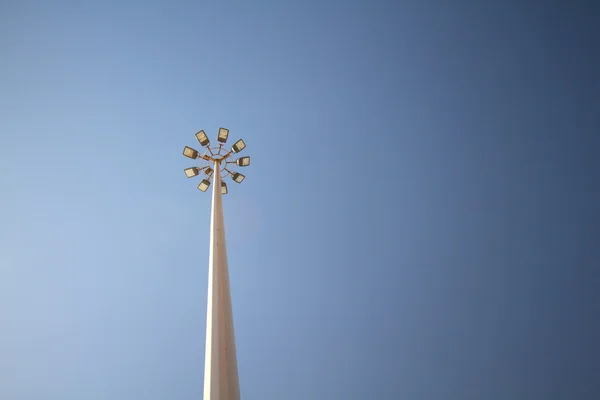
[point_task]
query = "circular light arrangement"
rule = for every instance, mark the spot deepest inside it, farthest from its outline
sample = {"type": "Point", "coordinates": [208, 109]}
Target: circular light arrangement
{"type": "Point", "coordinates": [216, 157]}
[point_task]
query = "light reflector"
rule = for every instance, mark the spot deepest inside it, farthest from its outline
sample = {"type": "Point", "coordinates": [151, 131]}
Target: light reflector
{"type": "Point", "coordinates": [208, 170]}
{"type": "Point", "coordinates": [238, 177]}
{"type": "Point", "coordinates": [243, 161]}
{"type": "Point", "coordinates": [190, 153]}
{"type": "Point", "coordinates": [190, 172]}
{"type": "Point", "coordinates": [223, 133]}
{"type": "Point", "coordinates": [238, 146]}
{"type": "Point", "coordinates": [202, 138]}
{"type": "Point", "coordinates": [203, 186]}
{"type": "Point", "coordinates": [223, 188]}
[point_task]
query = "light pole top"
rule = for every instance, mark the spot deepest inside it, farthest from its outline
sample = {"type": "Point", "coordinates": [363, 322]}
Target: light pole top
{"type": "Point", "coordinates": [216, 157]}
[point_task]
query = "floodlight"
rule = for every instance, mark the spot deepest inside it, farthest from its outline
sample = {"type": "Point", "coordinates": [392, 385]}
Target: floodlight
{"type": "Point", "coordinates": [190, 153]}
{"type": "Point", "coordinates": [223, 133]}
{"type": "Point", "coordinates": [190, 172]}
{"type": "Point", "coordinates": [202, 138]}
{"type": "Point", "coordinates": [217, 158]}
{"type": "Point", "coordinates": [203, 186]}
{"type": "Point", "coordinates": [243, 161]}
{"type": "Point", "coordinates": [238, 146]}
{"type": "Point", "coordinates": [238, 177]}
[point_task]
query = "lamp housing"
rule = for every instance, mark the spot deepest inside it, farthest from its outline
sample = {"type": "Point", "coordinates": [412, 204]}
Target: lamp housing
{"type": "Point", "coordinates": [223, 133]}
{"type": "Point", "coordinates": [202, 138]}
{"type": "Point", "coordinates": [191, 172]}
{"type": "Point", "coordinates": [238, 146]}
{"type": "Point", "coordinates": [203, 186]}
{"type": "Point", "coordinates": [237, 177]}
{"type": "Point", "coordinates": [190, 153]}
{"type": "Point", "coordinates": [243, 161]}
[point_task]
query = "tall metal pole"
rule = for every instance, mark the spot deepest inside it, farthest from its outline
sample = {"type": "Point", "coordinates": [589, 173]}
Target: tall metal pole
{"type": "Point", "coordinates": [221, 381]}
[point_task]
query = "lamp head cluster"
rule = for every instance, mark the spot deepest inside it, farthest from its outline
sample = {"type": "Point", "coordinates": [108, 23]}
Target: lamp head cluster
{"type": "Point", "coordinates": [216, 157]}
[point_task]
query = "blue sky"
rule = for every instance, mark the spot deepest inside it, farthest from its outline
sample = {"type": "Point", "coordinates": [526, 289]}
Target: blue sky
{"type": "Point", "coordinates": [420, 219]}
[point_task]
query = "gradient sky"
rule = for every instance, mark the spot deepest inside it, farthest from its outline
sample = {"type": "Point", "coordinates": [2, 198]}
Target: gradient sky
{"type": "Point", "coordinates": [421, 219]}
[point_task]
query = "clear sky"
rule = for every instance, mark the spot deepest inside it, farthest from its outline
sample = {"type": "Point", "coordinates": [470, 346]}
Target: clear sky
{"type": "Point", "coordinates": [421, 219]}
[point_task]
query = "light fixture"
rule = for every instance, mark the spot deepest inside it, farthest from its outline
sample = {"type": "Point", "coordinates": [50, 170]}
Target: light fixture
{"type": "Point", "coordinates": [238, 146]}
{"type": "Point", "coordinates": [243, 161]}
{"type": "Point", "coordinates": [202, 138]}
{"type": "Point", "coordinates": [215, 157]}
{"type": "Point", "coordinates": [237, 177]}
{"type": "Point", "coordinates": [223, 133]}
{"type": "Point", "coordinates": [203, 186]}
{"type": "Point", "coordinates": [190, 153]}
{"type": "Point", "coordinates": [190, 172]}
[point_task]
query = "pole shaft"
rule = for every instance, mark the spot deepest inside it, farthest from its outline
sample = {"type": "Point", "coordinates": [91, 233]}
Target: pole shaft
{"type": "Point", "coordinates": [221, 380]}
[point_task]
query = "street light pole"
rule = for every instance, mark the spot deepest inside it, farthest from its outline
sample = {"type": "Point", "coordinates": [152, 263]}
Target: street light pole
{"type": "Point", "coordinates": [220, 367]}
{"type": "Point", "coordinates": [221, 381]}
